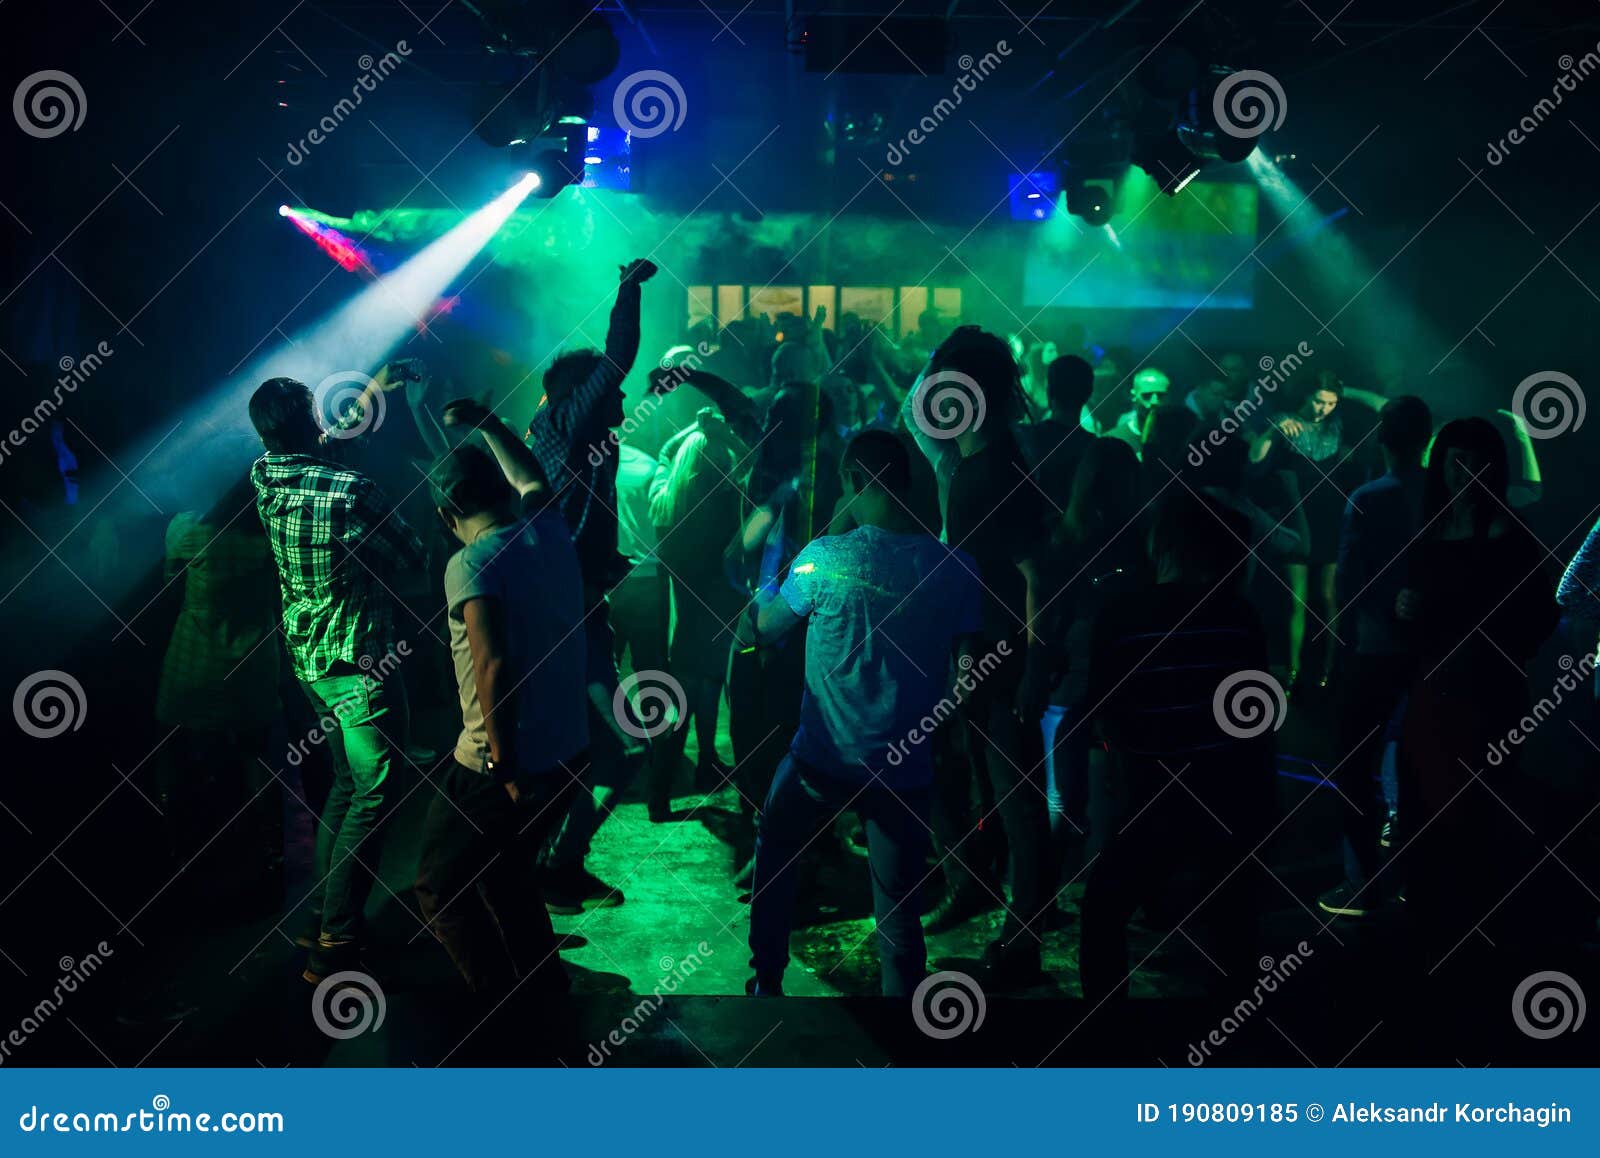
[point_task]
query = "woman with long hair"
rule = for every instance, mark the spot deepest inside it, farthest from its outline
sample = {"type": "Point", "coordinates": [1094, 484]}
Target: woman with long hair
{"type": "Point", "coordinates": [1310, 443]}
{"type": "Point", "coordinates": [1480, 601]}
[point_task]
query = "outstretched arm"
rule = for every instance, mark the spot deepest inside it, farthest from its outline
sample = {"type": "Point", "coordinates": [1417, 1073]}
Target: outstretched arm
{"type": "Point", "coordinates": [734, 404]}
{"type": "Point", "coordinates": [572, 413]}
{"type": "Point", "coordinates": [517, 462]}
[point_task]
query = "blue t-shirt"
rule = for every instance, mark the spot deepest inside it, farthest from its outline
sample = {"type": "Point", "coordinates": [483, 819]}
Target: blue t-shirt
{"type": "Point", "coordinates": [530, 569]}
{"type": "Point", "coordinates": [884, 611]}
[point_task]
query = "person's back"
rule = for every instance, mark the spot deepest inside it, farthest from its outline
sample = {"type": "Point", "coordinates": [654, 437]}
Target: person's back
{"type": "Point", "coordinates": [530, 569]}
{"type": "Point", "coordinates": [884, 608]}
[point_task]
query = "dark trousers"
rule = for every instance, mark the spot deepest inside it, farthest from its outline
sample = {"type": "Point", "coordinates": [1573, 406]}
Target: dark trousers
{"type": "Point", "coordinates": [364, 722]}
{"type": "Point", "coordinates": [475, 877]}
{"type": "Point", "coordinates": [803, 803]}
{"type": "Point", "coordinates": [1373, 686]}
{"type": "Point", "coordinates": [1011, 754]}
{"type": "Point", "coordinates": [614, 758]}
{"type": "Point", "coordinates": [764, 690]}
{"type": "Point", "coordinates": [1172, 836]}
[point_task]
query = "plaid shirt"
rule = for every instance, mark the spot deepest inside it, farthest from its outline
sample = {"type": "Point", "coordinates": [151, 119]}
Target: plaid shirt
{"type": "Point", "coordinates": [569, 438]}
{"type": "Point", "coordinates": [338, 544]}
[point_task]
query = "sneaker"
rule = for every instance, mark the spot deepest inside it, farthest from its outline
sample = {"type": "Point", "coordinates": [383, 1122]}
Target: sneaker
{"type": "Point", "coordinates": [328, 958]}
{"type": "Point", "coordinates": [1342, 901]}
{"type": "Point", "coordinates": [568, 892]}
{"type": "Point", "coordinates": [1386, 836]}
{"type": "Point", "coordinates": [759, 986]}
{"type": "Point", "coordinates": [955, 908]}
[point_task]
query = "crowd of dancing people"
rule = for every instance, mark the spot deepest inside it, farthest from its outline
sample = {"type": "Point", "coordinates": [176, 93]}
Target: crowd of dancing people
{"type": "Point", "coordinates": [932, 582]}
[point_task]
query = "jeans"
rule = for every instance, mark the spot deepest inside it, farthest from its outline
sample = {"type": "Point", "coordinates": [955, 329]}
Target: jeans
{"type": "Point", "coordinates": [366, 721]}
{"type": "Point", "coordinates": [1066, 769]}
{"type": "Point", "coordinates": [475, 878]}
{"type": "Point", "coordinates": [801, 804]}
{"type": "Point", "coordinates": [1373, 686]}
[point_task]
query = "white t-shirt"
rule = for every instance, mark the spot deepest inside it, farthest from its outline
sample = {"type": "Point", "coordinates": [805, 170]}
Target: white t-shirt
{"type": "Point", "coordinates": [531, 569]}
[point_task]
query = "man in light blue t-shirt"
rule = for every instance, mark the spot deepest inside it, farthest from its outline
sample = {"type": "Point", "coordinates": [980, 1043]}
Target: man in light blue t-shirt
{"type": "Point", "coordinates": [887, 605]}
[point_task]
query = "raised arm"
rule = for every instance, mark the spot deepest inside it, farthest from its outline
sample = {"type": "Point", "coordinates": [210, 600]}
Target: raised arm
{"type": "Point", "coordinates": [517, 462]}
{"type": "Point", "coordinates": [573, 412]}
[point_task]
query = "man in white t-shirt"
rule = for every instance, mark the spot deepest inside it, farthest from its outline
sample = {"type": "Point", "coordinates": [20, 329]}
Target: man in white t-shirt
{"type": "Point", "coordinates": [887, 605]}
{"type": "Point", "coordinates": [515, 603]}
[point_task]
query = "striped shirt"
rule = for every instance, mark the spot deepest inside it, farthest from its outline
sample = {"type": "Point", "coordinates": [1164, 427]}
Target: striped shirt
{"type": "Point", "coordinates": [338, 545]}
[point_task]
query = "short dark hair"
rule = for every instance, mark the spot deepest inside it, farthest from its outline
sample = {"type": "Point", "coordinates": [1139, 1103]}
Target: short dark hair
{"type": "Point", "coordinates": [1070, 381]}
{"type": "Point", "coordinates": [1204, 539]}
{"type": "Point", "coordinates": [1404, 426]}
{"type": "Point", "coordinates": [284, 415]}
{"type": "Point", "coordinates": [468, 481]}
{"type": "Point", "coordinates": [569, 371]}
{"type": "Point", "coordinates": [878, 458]}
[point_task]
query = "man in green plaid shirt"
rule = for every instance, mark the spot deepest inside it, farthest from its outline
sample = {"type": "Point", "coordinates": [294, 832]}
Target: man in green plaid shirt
{"type": "Point", "coordinates": [339, 547]}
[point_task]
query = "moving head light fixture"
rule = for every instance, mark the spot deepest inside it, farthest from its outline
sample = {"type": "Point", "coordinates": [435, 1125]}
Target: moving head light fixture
{"type": "Point", "coordinates": [562, 48]}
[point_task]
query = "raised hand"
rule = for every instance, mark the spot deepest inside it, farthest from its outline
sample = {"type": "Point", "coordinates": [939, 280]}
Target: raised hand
{"type": "Point", "coordinates": [466, 412]}
{"type": "Point", "coordinates": [637, 272]}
